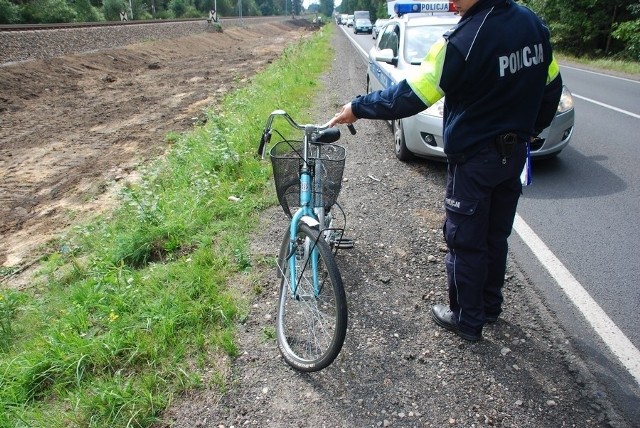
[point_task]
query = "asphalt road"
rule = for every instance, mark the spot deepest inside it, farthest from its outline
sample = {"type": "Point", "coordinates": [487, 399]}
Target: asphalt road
{"type": "Point", "coordinates": [585, 207]}
{"type": "Point", "coordinates": [583, 213]}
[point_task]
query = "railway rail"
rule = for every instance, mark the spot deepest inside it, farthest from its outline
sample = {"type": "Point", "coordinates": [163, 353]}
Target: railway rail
{"type": "Point", "coordinates": [234, 21]}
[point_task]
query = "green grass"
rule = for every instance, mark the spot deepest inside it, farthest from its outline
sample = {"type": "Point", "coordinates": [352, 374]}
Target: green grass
{"type": "Point", "coordinates": [136, 307]}
{"type": "Point", "coordinates": [628, 67]}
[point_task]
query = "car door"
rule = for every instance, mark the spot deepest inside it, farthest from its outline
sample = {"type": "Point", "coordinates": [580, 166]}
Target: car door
{"type": "Point", "coordinates": [380, 72]}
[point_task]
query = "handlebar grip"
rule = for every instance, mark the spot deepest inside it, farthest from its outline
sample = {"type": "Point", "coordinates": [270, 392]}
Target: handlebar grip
{"type": "Point", "coordinates": [327, 136]}
{"type": "Point", "coordinates": [351, 128]}
{"type": "Point", "coordinates": [264, 141]}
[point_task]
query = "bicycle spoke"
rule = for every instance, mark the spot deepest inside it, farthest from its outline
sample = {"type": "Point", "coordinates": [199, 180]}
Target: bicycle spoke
{"type": "Point", "coordinates": [312, 321]}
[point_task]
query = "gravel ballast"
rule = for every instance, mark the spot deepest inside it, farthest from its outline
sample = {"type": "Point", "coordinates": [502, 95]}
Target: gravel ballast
{"type": "Point", "coordinates": [48, 44]}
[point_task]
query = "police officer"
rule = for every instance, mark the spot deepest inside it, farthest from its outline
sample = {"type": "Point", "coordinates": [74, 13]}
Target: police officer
{"type": "Point", "coordinates": [502, 88]}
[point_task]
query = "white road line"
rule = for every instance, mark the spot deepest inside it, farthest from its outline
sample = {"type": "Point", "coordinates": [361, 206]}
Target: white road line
{"type": "Point", "coordinates": [610, 334]}
{"type": "Point", "coordinates": [637, 116]}
{"type": "Point", "coordinates": [600, 74]}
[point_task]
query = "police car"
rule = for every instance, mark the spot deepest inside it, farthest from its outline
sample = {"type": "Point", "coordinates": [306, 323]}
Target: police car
{"type": "Point", "coordinates": [400, 47]}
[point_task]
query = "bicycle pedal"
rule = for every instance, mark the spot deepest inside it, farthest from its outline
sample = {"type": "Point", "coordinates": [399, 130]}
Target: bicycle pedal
{"type": "Point", "coordinates": [344, 243]}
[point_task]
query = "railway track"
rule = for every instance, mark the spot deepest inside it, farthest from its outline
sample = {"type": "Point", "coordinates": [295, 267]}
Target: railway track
{"type": "Point", "coordinates": [40, 41]}
{"type": "Point", "coordinates": [228, 21]}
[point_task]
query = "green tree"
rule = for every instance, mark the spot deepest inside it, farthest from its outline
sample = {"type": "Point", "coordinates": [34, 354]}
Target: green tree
{"type": "Point", "coordinates": [270, 7]}
{"type": "Point", "coordinates": [111, 9]}
{"type": "Point", "coordinates": [48, 11]}
{"type": "Point", "coordinates": [583, 27]}
{"type": "Point", "coordinates": [9, 13]}
{"type": "Point", "coordinates": [86, 12]}
{"type": "Point", "coordinates": [246, 8]}
{"type": "Point", "coordinates": [326, 7]}
{"type": "Point", "coordinates": [629, 33]}
{"type": "Point", "coordinates": [225, 7]}
{"type": "Point", "coordinates": [141, 10]}
{"type": "Point", "coordinates": [178, 7]}
{"type": "Point", "coordinates": [297, 6]}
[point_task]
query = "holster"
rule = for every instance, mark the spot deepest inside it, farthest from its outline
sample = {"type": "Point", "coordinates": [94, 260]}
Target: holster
{"type": "Point", "coordinates": [505, 143]}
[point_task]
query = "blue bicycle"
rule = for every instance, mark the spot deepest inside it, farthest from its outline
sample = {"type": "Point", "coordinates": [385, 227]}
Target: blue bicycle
{"type": "Point", "coordinates": [311, 320]}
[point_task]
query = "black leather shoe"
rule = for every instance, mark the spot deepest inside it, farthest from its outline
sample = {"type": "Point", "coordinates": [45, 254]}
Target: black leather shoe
{"type": "Point", "coordinates": [443, 316]}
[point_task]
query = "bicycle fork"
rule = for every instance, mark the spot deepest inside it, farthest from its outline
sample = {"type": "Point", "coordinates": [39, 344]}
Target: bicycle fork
{"type": "Point", "coordinates": [309, 250]}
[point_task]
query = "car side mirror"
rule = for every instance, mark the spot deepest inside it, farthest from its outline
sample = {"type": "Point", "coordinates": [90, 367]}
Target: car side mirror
{"type": "Point", "coordinates": [386, 55]}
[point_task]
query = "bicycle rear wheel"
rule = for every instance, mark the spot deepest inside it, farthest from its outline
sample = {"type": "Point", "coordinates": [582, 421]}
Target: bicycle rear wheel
{"type": "Point", "coordinates": [311, 321]}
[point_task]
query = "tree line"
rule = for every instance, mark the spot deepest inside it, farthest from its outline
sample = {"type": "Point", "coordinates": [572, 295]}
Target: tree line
{"type": "Point", "coordinates": [593, 28]}
{"type": "Point", "coordinates": [54, 11]}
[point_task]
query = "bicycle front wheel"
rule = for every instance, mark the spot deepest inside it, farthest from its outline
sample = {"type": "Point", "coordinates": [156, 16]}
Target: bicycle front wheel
{"type": "Point", "coordinates": [311, 321]}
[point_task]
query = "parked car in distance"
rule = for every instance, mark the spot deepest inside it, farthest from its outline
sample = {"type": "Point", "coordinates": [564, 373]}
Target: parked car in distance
{"type": "Point", "coordinates": [362, 26]}
{"type": "Point", "coordinates": [377, 26]}
{"type": "Point", "coordinates": [400, 48]}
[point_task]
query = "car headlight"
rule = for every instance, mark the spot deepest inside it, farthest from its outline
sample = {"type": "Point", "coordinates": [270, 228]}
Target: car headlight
{"type": "Point", "coordinates": [566, 100]}
{"type": "Point", "coordinates": [436, 110]}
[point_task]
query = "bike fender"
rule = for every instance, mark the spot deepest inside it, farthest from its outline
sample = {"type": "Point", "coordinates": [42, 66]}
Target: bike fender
{"type": "Point", "coordinates": [310, 221]}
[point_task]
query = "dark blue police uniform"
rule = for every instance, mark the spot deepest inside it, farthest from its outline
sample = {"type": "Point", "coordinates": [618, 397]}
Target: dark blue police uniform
{"type": "Point", "coordinates": [502, 87]}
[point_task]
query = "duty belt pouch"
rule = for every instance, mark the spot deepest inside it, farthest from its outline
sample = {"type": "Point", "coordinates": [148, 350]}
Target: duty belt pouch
{"type": "Point", "coordinates": [505, 144]}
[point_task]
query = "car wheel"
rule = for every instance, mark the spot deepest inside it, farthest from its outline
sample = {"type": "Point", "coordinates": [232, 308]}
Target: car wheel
{"type": "Point", "coordinates": [402, 152]}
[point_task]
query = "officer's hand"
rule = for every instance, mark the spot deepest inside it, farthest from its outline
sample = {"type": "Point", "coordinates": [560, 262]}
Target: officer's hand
{"type": "Point", "coordinates": [344, 116]}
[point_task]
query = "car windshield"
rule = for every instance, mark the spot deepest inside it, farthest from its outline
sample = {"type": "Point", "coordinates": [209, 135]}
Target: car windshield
{"type": "Point", "coordinates": [418, 41]}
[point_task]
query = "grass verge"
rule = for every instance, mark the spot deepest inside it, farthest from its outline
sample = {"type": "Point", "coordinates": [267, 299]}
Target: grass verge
{"type": "Point", "coordinates": [604, 64]}
{"type": "Point", "coordinates": [135, 308]}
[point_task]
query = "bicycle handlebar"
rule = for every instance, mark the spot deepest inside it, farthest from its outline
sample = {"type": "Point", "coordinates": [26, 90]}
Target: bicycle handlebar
{"type": "Point", "coordinates": [317, 133]}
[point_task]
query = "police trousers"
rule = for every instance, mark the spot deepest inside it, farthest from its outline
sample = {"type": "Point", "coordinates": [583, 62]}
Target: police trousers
{"type": "Point", "coordinates": [481, 200]}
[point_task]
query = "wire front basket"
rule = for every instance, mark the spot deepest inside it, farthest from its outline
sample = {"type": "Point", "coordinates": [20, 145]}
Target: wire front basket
{"type": "Point", "coordinates": [287, 158]}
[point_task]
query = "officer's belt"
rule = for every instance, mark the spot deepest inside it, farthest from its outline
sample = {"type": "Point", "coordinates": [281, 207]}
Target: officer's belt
{"type": "Point", "coordinates": [503, 143]}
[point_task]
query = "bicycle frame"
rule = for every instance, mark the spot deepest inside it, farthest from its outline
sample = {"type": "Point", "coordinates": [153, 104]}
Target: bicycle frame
{"type": "Point", "coordinates": [312, 216]}
{"type": "Point", "coordinates": [307, 213]}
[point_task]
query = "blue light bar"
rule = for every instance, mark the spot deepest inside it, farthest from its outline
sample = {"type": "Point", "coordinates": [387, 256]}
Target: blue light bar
{"type": "Point", "coordinates": [423, 7]}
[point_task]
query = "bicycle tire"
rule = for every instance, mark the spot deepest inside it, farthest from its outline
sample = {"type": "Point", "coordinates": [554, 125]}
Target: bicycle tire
{"type": "Point", "coordinates": [310, 327]}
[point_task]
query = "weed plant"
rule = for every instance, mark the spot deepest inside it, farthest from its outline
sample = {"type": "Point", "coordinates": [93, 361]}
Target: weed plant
{"type": "Point", "coordinates": [135, 308]}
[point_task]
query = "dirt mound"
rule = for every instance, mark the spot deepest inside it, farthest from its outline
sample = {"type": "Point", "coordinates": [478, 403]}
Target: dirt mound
{"type": "Point", "coordinates": [75, 126]}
